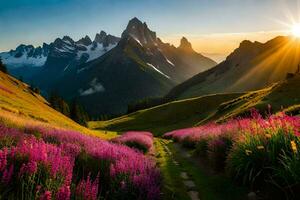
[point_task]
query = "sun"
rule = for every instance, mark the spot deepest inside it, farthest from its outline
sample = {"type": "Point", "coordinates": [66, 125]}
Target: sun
{"type": "Point", "coordinates": [296, 30]}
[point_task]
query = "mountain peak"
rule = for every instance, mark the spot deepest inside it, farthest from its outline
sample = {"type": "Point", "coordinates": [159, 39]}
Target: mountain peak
{"type": "Point", "coordinates": [68, 39]}
{"type": "Point", "coordinates": [134, 21]}
{"type": "Point", "coordinates": [100, 37]}
{"type": "Point", "coordinates": [139, 31]}
{"type": "Point", "coordinates": [85, 41]}
{"type": "Point", "coordinates": [185, 44]}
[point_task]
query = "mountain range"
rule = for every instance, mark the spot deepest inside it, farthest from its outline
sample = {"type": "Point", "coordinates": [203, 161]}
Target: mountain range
{"type": "Point", "coordinates": [108, 73]}
{"type": "Point", "coordinates": [252, 66]}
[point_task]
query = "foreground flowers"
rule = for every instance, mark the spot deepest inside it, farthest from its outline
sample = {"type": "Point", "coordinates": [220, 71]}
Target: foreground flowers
{"type": "Point", "coordinates": [41, 163]}
{"type": "Point", "coordinates": [255, 151]}
{"type": "Point", "coordinates": [142, 141]}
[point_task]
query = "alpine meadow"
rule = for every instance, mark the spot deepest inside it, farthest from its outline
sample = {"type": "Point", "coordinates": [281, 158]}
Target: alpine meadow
{"type": "Point", "coordinates": [150, 100]}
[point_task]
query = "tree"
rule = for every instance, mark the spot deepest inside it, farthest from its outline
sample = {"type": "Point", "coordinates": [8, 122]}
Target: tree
{"type": "Point", "coordinates": [2, 67]}
{"type": "Point", "coordinates": [78, 114]}
{"type": "Point", "coordinates": [59, 104]}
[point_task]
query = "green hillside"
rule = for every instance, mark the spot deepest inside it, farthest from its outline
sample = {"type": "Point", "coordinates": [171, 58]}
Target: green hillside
{"type": "Point", "coordinates": [217, 107]}
{"type": "Point", "coordinates": [20, 106]}
{"type": "Point", "coordinates": [167, 117]}
{"type": "Point", "coordinates": [284, 95]}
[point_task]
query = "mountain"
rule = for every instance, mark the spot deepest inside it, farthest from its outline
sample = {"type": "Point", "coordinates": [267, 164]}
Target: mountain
{"type": "Point", "coordinates": [140, 66]}
{"type": "Point", "coordinates": [189, 112]}
{"type": "Point", "coordinates": [51, 60]}
{"type": "Point", "coordinates": [109, 73]}
{"type": "Point", "coordinates": [251, 66]}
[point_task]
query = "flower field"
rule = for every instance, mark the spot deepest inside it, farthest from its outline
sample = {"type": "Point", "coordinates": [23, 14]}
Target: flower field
{"type": "Point", "coordinates": [43, 163]}
{"type": "Point", "coordinates": [142, 141]}
{"type": "Point", "coordinates": [254, 151]}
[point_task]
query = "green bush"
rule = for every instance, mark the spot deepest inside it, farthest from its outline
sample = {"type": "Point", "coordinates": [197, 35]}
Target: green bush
{"type": "Point", "coordinates": [217, 151]}
{"type": "Point", "coordinates": [201, 147]}
{"type": "Point", "coordinates": [255, 159]}
{"type": "Point", "coordinates": [137, 145]}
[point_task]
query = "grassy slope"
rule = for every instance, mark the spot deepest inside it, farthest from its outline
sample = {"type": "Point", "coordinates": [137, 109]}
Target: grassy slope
{"type": "Point", "coordinates": [19, 106]}
{"type": "Point", "coordinates": [219, 107]}
{"type": "Point", "coordinates": [284, 95]}
{"type": "Point", "coordinates": [167, 117]}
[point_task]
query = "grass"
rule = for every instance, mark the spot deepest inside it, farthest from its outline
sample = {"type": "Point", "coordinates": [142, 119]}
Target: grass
{"type": "Point", "coordinates": [210, 186]}
{"type": "Point", "coordinates": [281, 96]}
{"type": "Point", "coordinates": [167, 117]}
{"type": "Point", "coordinates": [173, 187]}
{"type": "Point", "coordinates": [19, 106]}
{"type": "Point", "coordinates": [200, 110]}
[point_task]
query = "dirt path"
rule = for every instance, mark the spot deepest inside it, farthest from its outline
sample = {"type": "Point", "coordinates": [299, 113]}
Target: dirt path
{"type": "Point", "coordinates": [210, 184]}
{"type": "Point", "coordinates": [188, 182]}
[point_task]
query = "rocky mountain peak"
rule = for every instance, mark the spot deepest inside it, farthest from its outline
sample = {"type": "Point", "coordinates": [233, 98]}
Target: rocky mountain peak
{"type": "Point", "coordinates": [185, 44]}
{"type": "Point", "coordinates": [68, 39]}
{"type": "Point", "coordinates": [100, 37]}
{"type": "Point", "coordinates": [139, 31]}
{"type": "Point", "coordinates": [85, 41]}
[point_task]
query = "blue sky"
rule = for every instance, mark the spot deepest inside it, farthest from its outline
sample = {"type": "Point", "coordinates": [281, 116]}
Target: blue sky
{"type": "Point", "coordinates": [37, 21]}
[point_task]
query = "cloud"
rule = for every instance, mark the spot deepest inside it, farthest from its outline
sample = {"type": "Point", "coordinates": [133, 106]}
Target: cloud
{"type": "Point", "coordinates": [95, 87]}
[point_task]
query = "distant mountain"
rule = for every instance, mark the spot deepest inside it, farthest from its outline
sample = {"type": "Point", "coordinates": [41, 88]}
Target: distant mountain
{"type": "Point", "coordinates": [251, 66]}
{"type": "Point", "coordinates": [109, 73]}
{"type": "Point", "coordinates": [53, 58]}
{"type": "Point", "coordinates": [140, 66]}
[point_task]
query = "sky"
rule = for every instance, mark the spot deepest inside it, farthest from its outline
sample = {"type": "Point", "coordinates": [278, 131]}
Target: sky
{"type": "Point", "coordinates": [215, 27]}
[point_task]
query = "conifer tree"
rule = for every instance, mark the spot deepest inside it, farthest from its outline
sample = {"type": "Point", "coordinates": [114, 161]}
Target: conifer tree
{"type": "Point", "coordinates": [2, 66]}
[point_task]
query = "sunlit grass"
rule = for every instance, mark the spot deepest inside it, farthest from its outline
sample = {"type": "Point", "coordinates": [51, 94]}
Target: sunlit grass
{"type": "Point", "coordinates": [20, 107]}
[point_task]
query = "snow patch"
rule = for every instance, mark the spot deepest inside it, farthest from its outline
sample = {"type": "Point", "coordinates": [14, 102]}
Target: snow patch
{"type": "Point", "coordinates": [66, 67]}
{"type": "Point", "coordinates": [95, 87]}
{"type": "Point", "coordinates": [149, 64]}
{"type": "Point", "coordinates": [95, 53]}
{"type": "Point", "coordinates": [169, 61]}
{"type": "Point", "coordinates": [137, 40]}
{"type": "Point", "coordinates": [9, 59]}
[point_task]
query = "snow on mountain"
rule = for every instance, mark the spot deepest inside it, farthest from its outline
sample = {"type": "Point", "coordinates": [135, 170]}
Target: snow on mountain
{"type": "Point", "coordinates": [26, 55]}
{"type": "Point", "coordinates": [94, 51]}
{"type": "Point", "coordinates": [9, 59]}
{"type": "Point", "coordinates": [84, 50]}
{"type": "Point", "coordinates": [153, 67]}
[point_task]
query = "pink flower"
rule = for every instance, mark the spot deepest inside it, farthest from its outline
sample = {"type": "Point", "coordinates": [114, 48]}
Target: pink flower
{"type": "Point", "coordinates": [7, 174]}
{"type": "Point", "coordinates": [63, 193]}
{"type": "Point", "coordinates": [46, 196]}
{"type": "Point", "coordinates": [88, 189]}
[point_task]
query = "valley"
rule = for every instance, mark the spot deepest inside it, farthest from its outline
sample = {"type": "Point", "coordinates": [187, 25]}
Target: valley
{"type": "Point", "coordinates": [138, 114]}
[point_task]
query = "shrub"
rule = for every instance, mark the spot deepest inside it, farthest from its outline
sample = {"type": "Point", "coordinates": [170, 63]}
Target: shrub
{"type": "Point", "coordinates": [142, 141]}
{"type": "Point", "coordinates": [218, 149]}
{"type": "Point", "coordinates": [253, 159]}
{"type": "Point", "coordinates": [202, 147]}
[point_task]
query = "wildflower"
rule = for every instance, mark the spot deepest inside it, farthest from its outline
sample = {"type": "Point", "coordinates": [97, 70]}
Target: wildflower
{"type": "Point", "coordinates": [268, 135]}
{"type": "Point", "coordinates": [297, 133]}
{"type": "Point", "coordinates": [260, 147]}
{"type": "Point", "coordinates": [248, 152]}
{"type": "Point", "coordinates": [7, 174]}
{"type": "Point", "coordinates": [123, 184]}
{"type": "Point", "coordinates": [63, 193]}
{"type": "Point", "coordinates": [294, 146]}
{"type": "Point", "coordinates": [46, 196]}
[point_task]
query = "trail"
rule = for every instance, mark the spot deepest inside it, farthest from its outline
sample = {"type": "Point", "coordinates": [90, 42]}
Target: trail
{"type": "Point", "coordinates": [186, 178]}
{"type": "Point", "coordinates": [187, 185]}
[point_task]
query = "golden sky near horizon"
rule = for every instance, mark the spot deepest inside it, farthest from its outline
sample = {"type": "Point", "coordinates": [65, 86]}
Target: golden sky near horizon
{"type": "Point", "coordinates": [218, 46]}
